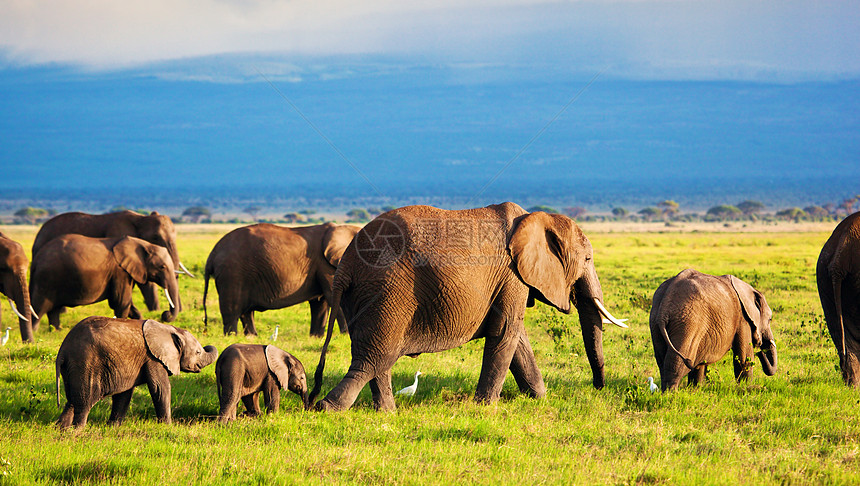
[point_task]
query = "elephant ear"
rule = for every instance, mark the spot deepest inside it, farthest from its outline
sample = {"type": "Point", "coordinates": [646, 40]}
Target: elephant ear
{"type": "Point", "coordinates": [538, 254]}
{"type": "Point", "coordinates": [335, 240]}
{"type": "Point", "coordinates": [750, 299]}
{"type": "Point", "coordinates": [279, 362]}
{"type": "Point", "coordinates": [164, 344]}
{"type": "Point", "coordinates": [131, 256]}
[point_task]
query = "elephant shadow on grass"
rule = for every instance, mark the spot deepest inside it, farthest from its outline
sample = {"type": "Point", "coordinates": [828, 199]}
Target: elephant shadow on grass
{"type": "Point", "coordinates": [96, 471]}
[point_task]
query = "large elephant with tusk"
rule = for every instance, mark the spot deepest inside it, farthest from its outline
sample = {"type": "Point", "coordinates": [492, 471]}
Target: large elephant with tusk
{"type": "Point", "coordinates": [75, 270]}
{"type": "Point", "coordinates": [420, 280]}
{"type": "Point", "coordinates": [13, 283]}
{"type": "Point", "coordinates": [155, 228]}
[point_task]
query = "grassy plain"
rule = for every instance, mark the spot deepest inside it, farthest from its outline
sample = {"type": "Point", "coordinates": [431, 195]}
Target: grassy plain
{"type": "Point", "coordinates": [800, 426]}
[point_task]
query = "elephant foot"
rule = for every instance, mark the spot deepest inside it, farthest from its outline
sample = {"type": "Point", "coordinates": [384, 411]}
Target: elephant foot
{"type": "Point", "coordinates": [486, 399]}
{"type": "Point", "coordinates": [326, 406]}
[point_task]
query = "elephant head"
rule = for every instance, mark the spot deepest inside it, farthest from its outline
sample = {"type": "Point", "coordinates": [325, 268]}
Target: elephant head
{"type": "Point", "coordinates": [288, 371]}
{"type": "Point", "coordinates": [13, 283]}
{"type": "Point", "coordinates": [758, 314]}
{"type": "Point", "coordinates": [555, 259]}
{"type": "Point", "coordinates": [146, 262]}
{"type": "Point", "coordinates": [176, 348]}
{"type": "Point", "coordinates": [158, 229]}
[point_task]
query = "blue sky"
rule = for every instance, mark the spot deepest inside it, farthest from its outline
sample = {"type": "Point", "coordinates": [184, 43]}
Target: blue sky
{"type": "Point", "coordinates": [743, 98]}
{"type": "Point", "coordinates": [634, 39]}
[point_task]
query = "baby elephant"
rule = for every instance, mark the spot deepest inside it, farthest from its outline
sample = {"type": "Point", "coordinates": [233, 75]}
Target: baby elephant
{"type": "Point", "coordinates": [103, 357]}
{"type": "Point", "coordinates": [696, 318]}
{"type": "Point", "coordinates": [244, 370]}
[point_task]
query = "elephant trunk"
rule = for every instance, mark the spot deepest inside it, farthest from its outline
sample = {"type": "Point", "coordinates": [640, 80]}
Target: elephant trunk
{"type": "Point", "coordinates": [177, 265]}
{"type": "Point", "coordinates": [587, 292]}
{"type": "Point", "coordinates": [172, 292]}
{"type": "Point", "coordinates": [767, 355]}
{"type": "Point", "coordinates": [209, 356]}
{"type": "Point", "coordinates": [19, 296]}
{"type": "Point", "coordinates": [305, 402]}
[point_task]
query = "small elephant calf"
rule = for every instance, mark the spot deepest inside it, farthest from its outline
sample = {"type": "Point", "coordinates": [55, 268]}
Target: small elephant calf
{"type": "Point", "coordinates": [102, 357]}
{"type": "Point", "coordinates": [245, 370]}
{"type": "Point", "coordinates": [695, 320]}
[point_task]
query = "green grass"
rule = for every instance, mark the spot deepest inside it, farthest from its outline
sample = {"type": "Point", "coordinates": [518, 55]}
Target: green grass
{"type": "Point", "coordinates": [799, 426]}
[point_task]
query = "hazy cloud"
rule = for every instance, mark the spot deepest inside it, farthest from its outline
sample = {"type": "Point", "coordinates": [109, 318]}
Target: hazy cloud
{"type": "Point", "coordinates": [639, 39]}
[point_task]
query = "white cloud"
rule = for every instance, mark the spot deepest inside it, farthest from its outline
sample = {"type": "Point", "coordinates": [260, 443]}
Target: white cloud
{"type": "Point", "coordinates": [645, 38]}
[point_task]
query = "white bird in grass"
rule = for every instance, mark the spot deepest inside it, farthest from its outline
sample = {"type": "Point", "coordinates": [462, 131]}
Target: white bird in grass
{"type": "Point", "coordinates": [651, 385]}
{"type": "Point", "coordinates": [411, 389]}
{"type": "Point", "coordinates": [274, 336]}
{"type": "Point", "coordinates": [5, 338]}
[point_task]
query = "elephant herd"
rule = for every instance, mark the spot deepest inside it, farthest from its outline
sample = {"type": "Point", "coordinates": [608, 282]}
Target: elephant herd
{"type": "Point", "coordinates": [414, 280]}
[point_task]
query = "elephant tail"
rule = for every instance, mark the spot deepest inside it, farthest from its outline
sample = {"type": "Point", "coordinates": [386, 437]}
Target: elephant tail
{"type": "Point", "coordinates": [661, 323]}
{"type": "Point", "coordinates": [332, 317]}
{"type": "Point", "coordinates": [57, 371]}
{"type": "Point", "coordinates": [218, 380]}
{"type": "Point", "coordinates": [206, 273]}
{"type": "Point", "coordinates": [836, 277]}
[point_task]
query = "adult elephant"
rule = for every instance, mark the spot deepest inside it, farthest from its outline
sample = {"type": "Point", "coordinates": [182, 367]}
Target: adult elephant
{"type": "Point", "coordinates": [155, 228]}
{"type": "Point", "coordinates": [13, 283]}
{"type": "Point", "coordinates": [838, 276]}
{"type": "Point", "coordinates": [696, 318]}
{"type": "Point", "coordinates": [103, 357]}
{"type": "Point", "coordinates": [264, 266]}
{"type": "Point", "coordinates": [420, 279]}
{"type": "Point", "coordinates": [75, 270]}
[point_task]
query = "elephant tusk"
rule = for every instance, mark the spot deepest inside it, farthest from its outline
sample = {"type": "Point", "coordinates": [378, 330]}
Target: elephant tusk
{"type": "Point", "coordinates": [607, 316]}
{"type": "Point", "coordinates": [169, 300]}
{"type": "Point", "coordinates": [607, 321]}
{"type": "Point", "coordinates": [186, 270]}
{"type": "Point", "coordinates": [15, 309]}
{"type": "Point", "coordinates": [33, 311]}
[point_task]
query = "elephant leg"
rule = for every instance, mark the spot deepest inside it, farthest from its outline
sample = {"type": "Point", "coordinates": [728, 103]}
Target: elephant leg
{"type": "Point", "coordinates": [341, 322]}
{"type": "Point", "coordinates": [271, 396]}
{"type": "Point", "coordinates": [498, 356]}
{"type": "Point", "coordinates": [252, 404]}
{"type": "Point", "coordinates": [383, 396]}
{"type": "Point", "coordinates": [697, 375]}
{"type": "Point", "coordinates": [229, 311]}
{"type": "Point", "coordinates": [248, 323]}
{"type": "Point", "coordinates": [672, 372]}
{"type": "Point", "coordinates": [228, 401]}
{"type": "Point", "coordinates": [159, 390]}
{"type": "Point", "coordinates": [65, 420]}
{"type": "Point", "coordinates": [150, 296]}
{"type": "Point", "coordinates": [134, 313]}
{"type": "Point", "coordinates": [743, 353]}
{"type": "Point", "coordinates": [82, 412]}
{"type": "Point", "coordinates": [342, 396]}
{"type": "Point", "coordinates": [525, 369]}
{"type": "Point", "coordinates": [319, 309]}
{"type": "Point", "coordinates": [54, 318]}
{"type": "Point", "coordinates": [119, 406]}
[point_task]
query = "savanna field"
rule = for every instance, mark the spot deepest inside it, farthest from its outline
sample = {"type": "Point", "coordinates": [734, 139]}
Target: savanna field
{"type": "Point", "coordinates": [799, 426]}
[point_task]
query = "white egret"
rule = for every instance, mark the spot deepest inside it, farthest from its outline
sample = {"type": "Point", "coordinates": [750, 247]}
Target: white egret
{"type": "Point", "coordinates": [274, 336]}
{"type": "Point", "coordinates": [411, 389]}
{"type": "Point", "coordinates": [5, 338]}
{"type": "Point", "coordinates": [651, 385]}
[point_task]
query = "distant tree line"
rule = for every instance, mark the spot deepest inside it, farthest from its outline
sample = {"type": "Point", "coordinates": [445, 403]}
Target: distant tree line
{"type": "Point", "coordinates": [664, 211]}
